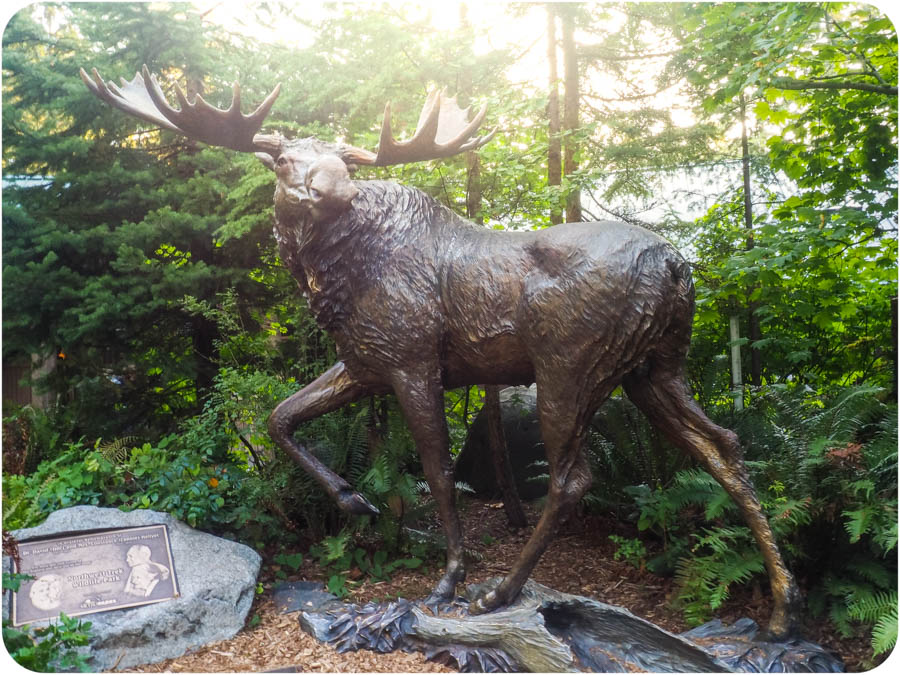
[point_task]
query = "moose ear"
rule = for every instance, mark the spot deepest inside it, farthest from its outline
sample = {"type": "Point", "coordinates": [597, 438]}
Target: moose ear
{"type": "Point", "coordinates": [267, 160]}
{"type": "Point", "coordinates": [353, 156]}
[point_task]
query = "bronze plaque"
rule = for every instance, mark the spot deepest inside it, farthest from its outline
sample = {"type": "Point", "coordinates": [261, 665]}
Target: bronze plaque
{"type": "Point", "coordinates": [94, 572]}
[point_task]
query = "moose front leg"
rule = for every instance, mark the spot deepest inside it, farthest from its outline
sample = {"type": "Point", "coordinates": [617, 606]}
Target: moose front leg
{"type": "Point", "coordinates": [421, 396]}
{"type": "Point", "coordinates": [562, 428]}
{"type": "Point", "coordinates": [334, 389]}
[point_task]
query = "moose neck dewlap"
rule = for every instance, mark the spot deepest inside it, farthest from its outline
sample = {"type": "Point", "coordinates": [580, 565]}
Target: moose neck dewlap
{"type": "Point", "coordinates": [334, 262]}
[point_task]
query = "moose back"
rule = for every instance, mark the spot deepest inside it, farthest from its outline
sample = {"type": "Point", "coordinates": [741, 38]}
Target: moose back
{"type": "Point", "coordinates": [418, 299]}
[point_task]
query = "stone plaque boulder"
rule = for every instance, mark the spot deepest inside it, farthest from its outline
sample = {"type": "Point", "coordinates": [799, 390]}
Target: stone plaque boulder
{"type": "Point", "coordinates": [526, 448]}
{"type": "Point", "coordinates": [216, 580]}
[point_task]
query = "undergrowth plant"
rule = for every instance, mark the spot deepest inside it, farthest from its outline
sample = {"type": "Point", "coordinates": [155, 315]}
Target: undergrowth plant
{"type": "Point", "coordinates": [53, 648]}
{"type": "Point", "coordinates": [631, 551]}
{"type": "Point", "coordinates": [347, 563]}
{"type": "Point", "coordinates": [625, 450]}
{"type": "Point", "coordinates": [825, 468]}
{"type": "Point", "coordinates": [220, 473]}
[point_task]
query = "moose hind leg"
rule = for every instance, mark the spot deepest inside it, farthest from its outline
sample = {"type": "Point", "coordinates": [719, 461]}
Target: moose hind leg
{"type": "Point", "coordinates": [665, 397]}
{"type": "Point", "coordinates": [330, 391]}
{"type": "Point", "coordinates": [562, 428]}
{"type": "Point", "coordinates": [421, 396]}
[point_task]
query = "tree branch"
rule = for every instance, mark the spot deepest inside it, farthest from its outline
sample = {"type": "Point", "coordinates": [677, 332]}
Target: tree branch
{"type": "Point", "coordinates": [861, 55]}
{"type": "Point", "coordinates": [630, 97]}
{"type": "Point", "coordinates": [791, 83]}
{"type": "Point", "coordinates": [607, 54]}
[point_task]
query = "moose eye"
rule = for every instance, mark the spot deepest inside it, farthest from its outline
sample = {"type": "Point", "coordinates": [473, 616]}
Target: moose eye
{"type": "Point", "coordinates": [281, 161]}
{"type": "Point", "coordinates": [315, 194]}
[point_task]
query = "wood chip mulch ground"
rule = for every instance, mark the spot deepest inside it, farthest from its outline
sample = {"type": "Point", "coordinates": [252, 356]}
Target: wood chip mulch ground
{"type": "Point", "coordinates": [579, 561]}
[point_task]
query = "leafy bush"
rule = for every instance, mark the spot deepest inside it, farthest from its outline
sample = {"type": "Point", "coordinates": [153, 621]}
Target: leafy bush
{"type": "Point", "coordinates": [881, 611]}
{"type": "Point", "coordinates": [43, 434]}
{"type": "Point", "coordinates": [221, 473]}
{"type": "Point", "coordinates": [631, 551]}
{"type": "Point", "coordinates": [190, 485]}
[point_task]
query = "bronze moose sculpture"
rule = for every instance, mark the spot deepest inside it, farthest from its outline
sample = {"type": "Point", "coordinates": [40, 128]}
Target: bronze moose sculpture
{"type": "Point", "coordinates": [418, 299]}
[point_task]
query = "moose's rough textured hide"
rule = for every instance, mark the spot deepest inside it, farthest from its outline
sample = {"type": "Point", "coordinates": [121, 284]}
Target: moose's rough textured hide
{"type": "Point", "coordinates": [418, 299]}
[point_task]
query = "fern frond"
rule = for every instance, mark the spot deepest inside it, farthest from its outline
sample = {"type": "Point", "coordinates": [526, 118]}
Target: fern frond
{"type": "Point", "coordinates": [858, 522]}
{"type": "Point", "coordinates": [873, 571]}
{"type": "Point", "coordinates": [881, 451]}
{"type": "Point", "coordinates": [21, 503]}
{"type": "Point", "coordinates": [118, 450]}
{"type": "Point", "coordinates": [789, 514]}
{"type": "Point", "coordinates": [841, 619]}
{"type": "Point", "coordinates": [463, 487]}
{"type": "Point", "coordinates": [335, 547]}
{"type": "Point", "coordinates": [722, 539]}
{"type": "Point", "coordinates": [693, 486]}
{"type": "Point", "coordinates": [886, 537]}
{"type": "Point", "coordinates": [380, 477]}
{"type": "Point", "coordinates": [849, 411]}
{"type": "Point", "coordinates": [884, 633]}
{"type": "Point", "coordinates": [871, 607]}
{"type": "Point", "coordinates": [718, 504]}
{"type": "Point", "coordinates": [743, 568]}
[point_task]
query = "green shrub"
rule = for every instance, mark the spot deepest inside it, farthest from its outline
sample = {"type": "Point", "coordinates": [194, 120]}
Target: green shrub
{"type": "Point", "coordinates": [339, 556]}
{"type": "Point", "coordinates": [881, 611]}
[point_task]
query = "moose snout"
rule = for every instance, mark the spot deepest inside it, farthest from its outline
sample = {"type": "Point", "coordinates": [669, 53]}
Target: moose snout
{"type": "Point", "coordinates": [292, 201]}
{"type": "Point", "coordinates": [296, 195]}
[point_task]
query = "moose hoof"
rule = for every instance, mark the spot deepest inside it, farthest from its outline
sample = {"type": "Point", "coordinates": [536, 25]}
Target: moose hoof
{"type": "Point", "coordinates": [784, 623]}
{"type": "Point", "coordinates": [484, 603]}
{"type": "Point", "coordinates": [435, 600]}
{"type": "Point", "coordinates": [781, 628]}
{"type": "Point", "coordinates": [443, 592]}
{"type": "Point", "coordinates": [353, 502]}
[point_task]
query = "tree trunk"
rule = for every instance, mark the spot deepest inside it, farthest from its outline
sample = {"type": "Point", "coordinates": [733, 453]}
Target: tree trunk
{"type": "Point", "coordinates": [755, 332]}
{"type": "Point", "coordinates": [512, 505]}
{"type": "Point", "coordinates": [204, 336]}
{"type": "Point", "coordinates": [570, 113]}
{"type": "Point", "coordinates": [554, 149]}
{"type": "Point", "coordinates": [894, 350]}
{"type": "Point", "coordinates": [473, 187]}
{"type": "Point", "coordinates": [737, 380]}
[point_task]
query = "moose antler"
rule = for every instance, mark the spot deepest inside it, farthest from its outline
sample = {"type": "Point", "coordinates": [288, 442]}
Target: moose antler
{"type": "Point", "coordinates": [443, 130]}
{"type": "Point", "coordinates": [143, 98]}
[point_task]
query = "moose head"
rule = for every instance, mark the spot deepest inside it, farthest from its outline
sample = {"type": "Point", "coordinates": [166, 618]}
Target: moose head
{"type": "Point", "coordinates": [418, 300]}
